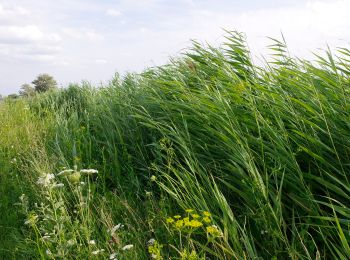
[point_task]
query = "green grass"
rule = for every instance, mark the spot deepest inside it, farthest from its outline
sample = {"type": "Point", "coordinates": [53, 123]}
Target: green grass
{"type": "Point", "coordinates": [264, 149]}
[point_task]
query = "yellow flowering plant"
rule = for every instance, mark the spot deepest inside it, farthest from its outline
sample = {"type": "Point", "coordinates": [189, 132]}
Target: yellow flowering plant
{"type": "Point", "coordinates": [189, 227]}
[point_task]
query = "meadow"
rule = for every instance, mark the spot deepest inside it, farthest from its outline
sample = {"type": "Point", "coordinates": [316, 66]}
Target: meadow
{"type": "Point", "coordinates": [208, 157]}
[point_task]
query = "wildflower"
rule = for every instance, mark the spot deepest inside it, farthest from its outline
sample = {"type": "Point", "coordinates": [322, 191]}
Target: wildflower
{"type": "Point", "coordinates": [96, 252]}
{"type": "Point", "coordinates": [179, 224]}
{"type": "Point", "coordinates": [45, 180]}
{"type": "Point", "coordinates": [48, 252]}
{"type": "Point", "coordinates": [195, 216]}
{"type": "Point", "coordinates": [127, 247]}
{"type": "Point", "coordinates": [153, 178]}
{"type": "Point", "coordinates": [169, 220]}
{"type": "Point", "coordinates": [74, 178]}
{"type": "Point", "coordinates": [88, 171]}
{"type": "Point", "coordinates": [113, 256]}
{"type": "Point", "coordinates": [58, 185]}
{"type": "Point", "coordinates": [65, 172]}
{"type": "Point", "coordinates": [194, 223]}
{"type": "Point", "coordinates": [177, 216]}
{"type": "Point", "coordinates": [115, 228]}
{"type": "Point", "coordinates": [206, 213]}
{"type": "Point", "coordinates": [151, 241]}
{"type": "Point", "coordinates": [207, 220]}
{"type": "Point", "coordinates": [82, 183]}
{"type": "Point", "coordinates": [31, 220]}
{"type": "Point", "coordinates": [155, 250]}
{"type": "Point", "coordinates": [214, 231]}
{"type": "Point", "coordinates": [92, 242]}
{"type": "Point", "coordinates": [189, 210]}
{"type": "Point", "coordinates": [46, 237]}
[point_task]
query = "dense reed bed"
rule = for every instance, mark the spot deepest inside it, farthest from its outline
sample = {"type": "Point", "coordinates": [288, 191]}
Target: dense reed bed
{"type": "Point", "coordinates": [208, 157]}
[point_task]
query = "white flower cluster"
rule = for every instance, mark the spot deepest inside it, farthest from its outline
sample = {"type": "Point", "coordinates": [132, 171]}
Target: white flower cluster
{"type": "Point", "coordinates": [127, 247]}
{"type": "Point", "coordinates": [74, 175]}
{"type": "Point", "coordinates": [88, 171]}
{"type": "Point", "coordinates": [115, 228]}
{"type": "Point", "coordinates": [45, 179]}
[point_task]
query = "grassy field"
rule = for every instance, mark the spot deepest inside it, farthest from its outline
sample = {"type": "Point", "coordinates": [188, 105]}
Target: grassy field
{"type": "Point", "coordinates": [208, 157]}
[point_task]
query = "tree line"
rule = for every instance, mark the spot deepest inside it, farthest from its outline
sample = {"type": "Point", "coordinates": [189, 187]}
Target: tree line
{"type": "Point", "coordinates": [44, 82]}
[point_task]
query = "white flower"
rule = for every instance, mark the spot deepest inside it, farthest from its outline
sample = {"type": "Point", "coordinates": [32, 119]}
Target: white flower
{"type": "Point", "coordinates": [65, 172]}
{"type": "Point", "coordinates": [115, 228]}
{"type": "Point", "coordinates": [96, 252]}
{"type": "Point", "coordinates": [92, 242]}
{"type": "Point", "coordinates": [113, 256]}
{"type": "Point", "coordinates": [151, 241]}
{"type": "Point", "coordinates": [88, 171]}
{"type": "Point", "coordinates": [58, 185]}
{"type": "Point", "coordinates": [48, 252]}
{"type": "Point", "coordinates": [127, 247]}
{"type": "Point", "coordinates": [45, 180]}
{"type": "Point", "coordinates": [45, 237]}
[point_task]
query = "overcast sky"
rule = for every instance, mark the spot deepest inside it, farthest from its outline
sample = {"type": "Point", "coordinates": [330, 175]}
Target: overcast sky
{"type": "Point", "coordinates": [76, 40]}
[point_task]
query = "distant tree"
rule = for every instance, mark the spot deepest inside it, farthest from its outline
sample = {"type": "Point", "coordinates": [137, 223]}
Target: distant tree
{"type": "Point", "coordinates": [44, 82]}
{"type": "Point", "coordinates": [27, 90]}
{"type": "Point", "coordinates": [12, 96]}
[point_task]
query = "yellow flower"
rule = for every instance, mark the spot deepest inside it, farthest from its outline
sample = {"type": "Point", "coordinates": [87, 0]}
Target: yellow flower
{"type": "Point", "coordinates": [153, 178]}
{"type": "Point", "coordinates": [195, 216]}
{"type": "Point", "coordinates": [189, 210]}
{"type": "Point", "coordinates": [207, 220]}
{"type": "Point", "coordinates": [186, 220]}
{"type": "Point", "coordinates": [179, 224]}
{"type": "Point", "coordinates": [214, 231]}
{"type": "Point", "coordinates": [155, 250]}
{"type": "Point", "coordinates": [195, 223]}
{"type": "Point", "coordinates": [206, 213]}
{"type": "Point", "coordinates": [177, 216]}
{"type": "Point", "coordinates": [169, 220]}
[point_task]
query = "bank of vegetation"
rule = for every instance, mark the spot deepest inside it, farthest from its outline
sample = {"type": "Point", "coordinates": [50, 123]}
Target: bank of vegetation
{"type": "Point", "coordinates": [207, 157]}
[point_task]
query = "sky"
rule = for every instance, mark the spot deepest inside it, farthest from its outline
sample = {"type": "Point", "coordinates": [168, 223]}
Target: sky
{"type": "Point", "coordinates": [91, 40]}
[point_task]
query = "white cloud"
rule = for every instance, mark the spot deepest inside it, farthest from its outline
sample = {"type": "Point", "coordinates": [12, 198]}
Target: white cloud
{"type": "Point", "coordinates": [82, 33]}
{"type": "Point", "coordinates": [20, 34]}
{"type": "Point", "coordinates": [101, 61]}
{"type": "Point", "coordinates": [13, 15]}
{"type": "Point", "coordinates": [113, 12]}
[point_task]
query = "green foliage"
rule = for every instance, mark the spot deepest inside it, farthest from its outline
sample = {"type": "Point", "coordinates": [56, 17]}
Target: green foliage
{"type": "Point", "coordinates": [44, 82]}
{"type": "Point", "coordinates": [264, 149]}
{"type": "Point", "coordinates": [27, 90]}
